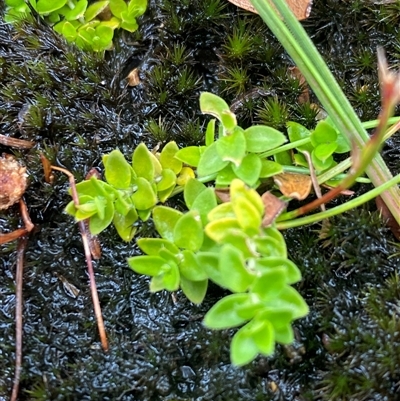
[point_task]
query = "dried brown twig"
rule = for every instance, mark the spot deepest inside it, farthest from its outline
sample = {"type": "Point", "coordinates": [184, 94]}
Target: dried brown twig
{"type": "Point", "coordinates": [86, 246]}
{"type": "Point", "coordinates": [22, 241]}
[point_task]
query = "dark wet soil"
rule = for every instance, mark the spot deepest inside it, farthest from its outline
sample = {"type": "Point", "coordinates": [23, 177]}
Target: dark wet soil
{"type": "Point", "coordinates": [76, 107]}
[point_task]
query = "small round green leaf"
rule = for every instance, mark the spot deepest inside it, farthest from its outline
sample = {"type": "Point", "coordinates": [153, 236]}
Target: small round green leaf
{"type": "Point", "coordinates": [324, 150]}
{"type": "Point", "coordinates": [192, 190]}
{"type": "Point", "coordinates": [117, 170]}
{"type": "Point", "coordinates": [75, 13]}
{"type": "Point", "coordinates": [188, 231]}
{"type": "Point", "coordinates": [270, 284]}
{"type": "Point", "coordinates": [217, 230]}
{"type": "Point", "coordinates": [95, 9]}
{"type": "Point", "coordinates": [233, 269]}
{"type": "Point", "coordinates": [209, 261]}
{"type": "Point", "coordinates": [190, 155]}
{"type": "Point", "coordinates": [171, 278]}
{"type": "Point", "coordinates": [297, 132]}
{"type": "Point", "coordinates": [247, 215]}
{"type": "Point", "coordinates": [264, 337]}
{"type": "Point", "coordinates": [142, 162]}
{"type": "Point", "coordinates": [210, 161]}
{"type": "Point", "coordinates": [152, 246]}
{"type": "Point", "coordinates": [223, 314]}
{"type": "Point", "coordinates": [232, 147]}
{"type": "Point", "coordinates": [117, 7]}
{"type": "Point", "coordinates": [195, 291]}
{"type": "Point", "coordinates": [204, 203]}
{"type": "Point", "coordinates": [323, 133]}
{"type": "Point", "coordinates": [165, 219]}
{"type": "Point", "coordinates": [321, 165]}
{"type": "Point", "coordinates": [168, 179]}
{"type": "Point", "coordinates": [249, 169]}
{"type": "Point", "coordinates": [167, 157]}
{"type": "Point", "coordinates": [190, 268]}
{"type": "Point", "coordinates": [49, 6]}
{"type": "Point", "coordinates": [213, 104]}
{"type": "Point", "coordinates": [260, 138]}
{"type": "Point", "coordinates": [243, 347]}
{"type": "Point", "coordinates": [97, 224]}
{"type": "Point", "coordinates": [124, 224]}
{"type": "Point", "coordinates": [145, 197]}
{"type": "Point", "coordinates": [270, 168]}
{"type": "Point", "coordinates": [149, 265]}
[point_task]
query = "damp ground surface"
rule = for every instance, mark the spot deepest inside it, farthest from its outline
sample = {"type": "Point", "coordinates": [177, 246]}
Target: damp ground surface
{"type": "Point", "coordinates": [77, 106]}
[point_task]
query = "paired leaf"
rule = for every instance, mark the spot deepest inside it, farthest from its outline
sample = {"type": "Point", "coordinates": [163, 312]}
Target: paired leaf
{"type": "Point", "coordinates": [188, 231]}
{"type": "Point", "coordinates": [232, 147]}
{"type": "Point", "coordinates": [260, 138]}
{"type": "Point", "coordinates": [233, 270]}
{"type": "Point", "coordinates": [210, 162]}
{"type": "Point", "coordinates": [142, 161]}
{"type": "Point", "coordinates": [118, 172]}
{"type": "Point", "coordinates": [167, 157]}
{"type": "Point", "coordinates": [165, 219]}
{"type": "Point", "coordinates": [223, 314]}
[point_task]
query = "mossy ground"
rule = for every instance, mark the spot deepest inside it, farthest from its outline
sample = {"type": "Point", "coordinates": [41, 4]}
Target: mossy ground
{"type": "Point", "coordinates": [77, 107]}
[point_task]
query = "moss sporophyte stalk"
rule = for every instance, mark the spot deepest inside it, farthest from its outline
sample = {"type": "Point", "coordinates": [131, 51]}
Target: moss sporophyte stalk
{"type": "Point", "coordinates": [229, 234]}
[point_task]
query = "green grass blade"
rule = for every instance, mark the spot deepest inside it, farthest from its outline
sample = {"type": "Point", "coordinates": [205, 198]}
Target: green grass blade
{"type": "Point", "coordinates": [303, 52]}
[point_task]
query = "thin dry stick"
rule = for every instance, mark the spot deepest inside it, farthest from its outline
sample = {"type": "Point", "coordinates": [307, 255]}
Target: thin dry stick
{"type": "Point", "coordinates": [22, 241]}
{"type": "Point", "coordinates": [93, 287]}
{"type": "Point", "coordinates": [16, 143]}
{"type": "Point", "coordinates": [314, 178]}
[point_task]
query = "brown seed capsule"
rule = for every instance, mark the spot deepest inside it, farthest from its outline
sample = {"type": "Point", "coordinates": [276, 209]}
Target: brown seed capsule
{"type": "Point", "coordinates": [13, 181]}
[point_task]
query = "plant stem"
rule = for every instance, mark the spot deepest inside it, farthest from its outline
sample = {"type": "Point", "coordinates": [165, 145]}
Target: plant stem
{"type": "Point", "coordinates": [22, 241]}
{"type": "Point", "coordinates": [300, 47]}
{"type": "Point", "coordinates": [283, 225]}
{"type": "Point", "coordinates": [88, 257]}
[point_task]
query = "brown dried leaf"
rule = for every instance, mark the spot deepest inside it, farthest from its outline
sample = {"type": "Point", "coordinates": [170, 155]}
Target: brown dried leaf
{"type": "Point", "coordinates": [69, 288]}
{"type": "Point", "coordinates": [273, 208]}
{"type": "Point", "coordinates": [300, 8]}
{"type": "Point", "coordinates": [223, 195]}
{"type": "Point", "coordinates": [293, 185]}
{"type": "Point", "coordinates": [48, 173]}
{"type": "Point", "coordinates": [133, 77]}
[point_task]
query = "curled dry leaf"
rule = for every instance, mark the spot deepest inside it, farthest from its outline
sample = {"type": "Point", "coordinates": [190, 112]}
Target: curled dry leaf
{"type": "Point", "coordinates": [223, 195]}
{"type": "Point", "coordinates": [273, 208]}
{"type": "Point", "coordinates": [300, 8]}
{"type": "Point", "coordinates": [48, 172]}
{"type": "Point", "coordinates": [13, 181]}
{"type": "Point", "coordinates": [69, 288]}
{"type": "Point", "coordinates": [293, 185]}
{"type": "Point", "coordinates": [133, 77]}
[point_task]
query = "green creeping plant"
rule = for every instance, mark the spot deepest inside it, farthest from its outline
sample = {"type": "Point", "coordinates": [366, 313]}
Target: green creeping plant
{"type": "Point", "coordinates": [226, 244]}
{"type": "Point", "coordinates": [232, 242]}
{"type": "Point", "coordinates": [90, 27]}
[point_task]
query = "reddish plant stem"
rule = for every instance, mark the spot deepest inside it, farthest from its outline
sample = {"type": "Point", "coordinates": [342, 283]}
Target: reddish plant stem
{"type": "Point", "coordinates": [4, 238]}
{"type": "Point", "coordinates": [86, 247]}
{"type": "Point", "coordinates": [22, 241]}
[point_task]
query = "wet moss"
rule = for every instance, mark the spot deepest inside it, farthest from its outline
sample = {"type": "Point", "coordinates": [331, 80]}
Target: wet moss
{"type": "Point", "coordinates": [77, 107]}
